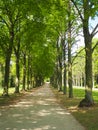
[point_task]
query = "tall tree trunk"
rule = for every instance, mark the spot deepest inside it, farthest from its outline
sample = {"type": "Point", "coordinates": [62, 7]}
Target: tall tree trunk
{"type": "Point", "coordinates": [28, 73]}
{"type": "Point", "coordinates": [69, 53]}
{"type": "Point", "coordinates": [17, 84]}
{"type": "Point", "coordinates": [88, 101]}
{"type": "Point", "coordinates": [7, 61]}
{"type": "Point", "coordinates": [59, 62]}
{"type": "Point", "coordinates": [6, 76]}
{"type": "Point", "coordinates": [17, 53]}
{"type": "Point", "coordinates": [2, 74]}
{"type": "Point", "coordinates": [31, 81]}
{"type": "Point", "coordinates": [88, 69]}
{"type": "Point", "coordinates": [24, 73]}
{"type": "Point", "coordinates": [65, 70]}
{"type": "Point", "coordinates": [88, 49]}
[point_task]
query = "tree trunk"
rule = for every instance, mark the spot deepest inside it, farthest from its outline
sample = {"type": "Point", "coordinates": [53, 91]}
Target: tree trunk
{"type": "Point", "coordinates": [17, 84]}
{"type": "Point", "coordinates": [17, 75]}
{"type": "Point", "coordinates": [28, 74]}
{"type": "Point", "coordinates": [69, 55]}
{"type": "Point", "coordinates": [59, 65]}
{"type": "Point", "coordinates": [7, 70]}
{"type": "Point", "coordinates": [88, 101]}
{"type": "Point", "coordinates": [88, 71]}
{"type": "Point", "coordinates": [65, 70]}
{"type": "Point", "coordinates": [7, 62]}
{"type": "Point", "coordinates": [60, 78]}
{"type": "Point", "coordinates": [24, 73]}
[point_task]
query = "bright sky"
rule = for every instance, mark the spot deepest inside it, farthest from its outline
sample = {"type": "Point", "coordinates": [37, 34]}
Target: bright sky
{"type": "Point", "coordinates": [80, 43]}
{"type": "Point", "coordinates": [93, 23]}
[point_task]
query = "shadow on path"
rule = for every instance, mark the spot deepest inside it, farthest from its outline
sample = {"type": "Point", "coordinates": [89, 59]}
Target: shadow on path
{"type": "Point", "coordinates": [37, 111]}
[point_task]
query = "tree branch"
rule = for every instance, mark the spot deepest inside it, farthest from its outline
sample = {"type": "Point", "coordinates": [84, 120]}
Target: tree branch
{"type": "Point", "coordinates": [94, 31]}
{"type": "Point", "coordinates": [79, 12]}
{"type": "Point", "coordinates": [77, 54]}
{"type": "Point", "coordinates": [3, 20]}
{"type": "Point", "coordinates": [94, 47]}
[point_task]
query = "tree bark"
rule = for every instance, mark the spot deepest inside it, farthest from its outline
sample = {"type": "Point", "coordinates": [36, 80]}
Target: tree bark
{"type": "Point", "coordinates": [24, 73]}
{"type": "Point", "coordinates": [17, 84]}
{"type": "Point", "coordinates": [6, 76]}
{"type": "Point", "coordinates": [65, 70]}
{"type": "Point", "coordinates": [28, 73]}
{"type": "Point", "coordinates": [69, 54]}
{"type": "Point", "coordinates": [88, 68]}
{"type": "Point", "coordinates": [7, 61]}
{"type": "Point", "coordinates": [88, 101]}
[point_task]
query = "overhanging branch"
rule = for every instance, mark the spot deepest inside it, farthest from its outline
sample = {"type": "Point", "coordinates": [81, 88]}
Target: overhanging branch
{"type": "Point", "coordinates": [79, 12]}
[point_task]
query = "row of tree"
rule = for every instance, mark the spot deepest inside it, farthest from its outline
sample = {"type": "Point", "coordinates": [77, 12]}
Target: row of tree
{"type": "Point", "coordinates": [39, 37]}
{"type": "Point", "coordinates": [81, 11]}
{"type": "Point", "coordinates": [25, 43]}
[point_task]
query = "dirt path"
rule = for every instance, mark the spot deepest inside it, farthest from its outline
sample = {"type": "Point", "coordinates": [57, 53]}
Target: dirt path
{"type": "Point", "coordinates": [38, 111]}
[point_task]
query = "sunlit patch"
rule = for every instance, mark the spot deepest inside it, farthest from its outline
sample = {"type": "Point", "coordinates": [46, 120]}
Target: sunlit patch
{"type": "Point", "coordinates": [73, 108]}
{"type": "Point", "coordinates": [42, 103]}
{"type": "Point", "coordinates": [0, 114]}
{"type": "Point", "coordinates": [34, 122]}
{"type": "Point", "coordinates": [7, 128]}
{"type": "Point", "coordinates": [46, 127]}
{"type": "Point", "coordinates": [17, 115]}
{"type": "Point", "coordinates": [25, 102]}
{"type": "Point", "coordinates": [61, 113]}
{"type": "Point", "coordinates": [43, 113]}
{"type": "Point", "coordinates": [51, 99]}
{"type": "Point", "coordinates": [54, 128]}
{"type": "Point", "coordinates": [43, 128]}
{"type": "Point", "coordinates": [19, 121]}
{"type": "Point", "coordinates": [21, 105]}
{"type": "Point", "coordinates": [15, 129]}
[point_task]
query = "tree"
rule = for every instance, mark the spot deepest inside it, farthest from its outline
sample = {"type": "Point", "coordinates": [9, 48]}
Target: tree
{"type": "Point", "coordinates": [11, 13]}
{"type": "Point", "coordinates": [89, 9]}
{"type": "Point", "coordinates": [7, 14]}
{"type": "Point", "coordinates": [95, 63]}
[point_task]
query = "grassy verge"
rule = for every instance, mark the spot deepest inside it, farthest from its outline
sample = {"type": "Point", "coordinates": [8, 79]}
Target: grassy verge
{"type": "Point", "coordinates": [88, 117]}
{"type": "Point", "coordinates": [13, 97]}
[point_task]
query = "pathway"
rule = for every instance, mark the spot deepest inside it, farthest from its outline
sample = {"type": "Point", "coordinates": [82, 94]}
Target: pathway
{"type": "Point", "coordinates": [37, 111]}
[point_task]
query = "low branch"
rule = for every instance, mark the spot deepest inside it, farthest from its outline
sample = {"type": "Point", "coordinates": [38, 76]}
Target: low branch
{"type": "Point", "coordinates": [77, 54]}
{"type": "Point", "coordinates": [94, 47]}
{"type": "Point", "coordinates": [94, 31]}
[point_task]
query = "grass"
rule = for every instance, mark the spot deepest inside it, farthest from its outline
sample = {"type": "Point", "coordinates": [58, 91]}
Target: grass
{"type": "Point", "coordinates": [88, 117]}
{"type": "Point", "coordinates": [13, 97]}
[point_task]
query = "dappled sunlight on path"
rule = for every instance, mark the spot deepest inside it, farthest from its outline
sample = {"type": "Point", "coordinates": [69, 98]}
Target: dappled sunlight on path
{"type": "Point", "coordinates": [37, 111]}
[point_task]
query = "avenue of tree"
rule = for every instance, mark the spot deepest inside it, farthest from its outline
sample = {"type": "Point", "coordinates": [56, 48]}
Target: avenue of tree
{"type": "Point", "coordinates": [38, 40]}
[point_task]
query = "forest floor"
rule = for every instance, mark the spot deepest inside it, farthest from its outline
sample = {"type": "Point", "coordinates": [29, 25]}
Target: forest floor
{"type": "Point", "coordinates": [37, 110]}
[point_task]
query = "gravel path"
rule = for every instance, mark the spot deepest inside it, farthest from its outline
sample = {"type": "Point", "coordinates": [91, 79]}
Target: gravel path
{"type": "Point", "coordinates": [37, 111]}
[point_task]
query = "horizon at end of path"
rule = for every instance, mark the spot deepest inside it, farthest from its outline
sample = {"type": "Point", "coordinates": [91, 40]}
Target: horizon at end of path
{"type": "Point", "coordinates": [38, 110]}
